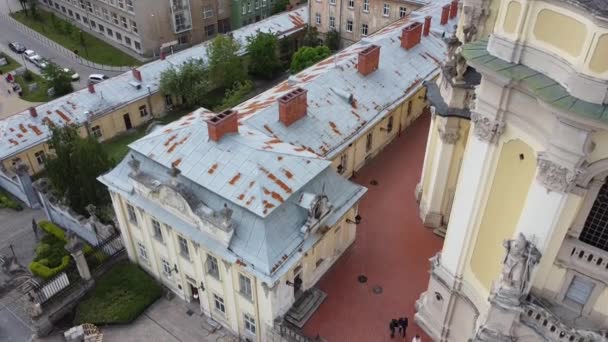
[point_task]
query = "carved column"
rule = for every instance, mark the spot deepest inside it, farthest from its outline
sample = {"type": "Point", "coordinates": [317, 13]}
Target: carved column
{"type": "Point", "coordinates": [434, 197]}
{"type": "Point", "coordinates": [75, 247]}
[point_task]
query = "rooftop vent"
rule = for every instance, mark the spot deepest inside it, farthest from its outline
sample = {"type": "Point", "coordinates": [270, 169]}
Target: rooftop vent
{"type": "Point", "coordinates": [91, 87]}
{"type": "Point", "coordinates": [427, 25]}
{"type": "Point", "coordinates": [135, 85]}
{"type": "Point", "coordinates": [369, 58]}
{"type": "Point", "coordinates": [33, 112]}
{"type": "Point", "coordinates": [445, 14]}
{"type": "Point", "coordinates": [136, 74]}
{"type": "Point", "coordinates": [410, 36]}
{"type": "Point", "coordinates": [293, 106]}
{"type": "Point", "coordinates": [222, 123]}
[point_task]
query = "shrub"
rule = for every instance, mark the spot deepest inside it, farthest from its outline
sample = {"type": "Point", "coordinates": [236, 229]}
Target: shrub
{"type": "Point", "coordinates": [119, 297]}
{"type": "Point", "coordinates": [28, 76]}
{"type": "Point", "coordinates": [8, 202]}
{"type": "Point", "coordinates": [52, 229]}
{"type": "Point", "coordinates": [44, 272]}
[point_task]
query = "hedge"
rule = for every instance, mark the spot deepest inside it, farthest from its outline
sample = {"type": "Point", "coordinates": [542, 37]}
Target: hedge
{"type": "Point", "coordinates": [119, 296]}
{"type": "Point", "coordinates": [7, 202]}
{"type": "Point", "coordinates": [44, 272]}
{"type": "Point", "coordinates": [59, 233]}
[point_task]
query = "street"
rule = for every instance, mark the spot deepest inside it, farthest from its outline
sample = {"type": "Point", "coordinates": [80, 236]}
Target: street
{"type": "Point", "coordinates": [13, 34]}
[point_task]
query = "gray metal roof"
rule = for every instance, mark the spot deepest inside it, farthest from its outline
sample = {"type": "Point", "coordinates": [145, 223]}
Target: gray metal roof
{"type": "Point", "coordinates": [21, 131]}
{"type": "Point", "coordinates": [599, 7]}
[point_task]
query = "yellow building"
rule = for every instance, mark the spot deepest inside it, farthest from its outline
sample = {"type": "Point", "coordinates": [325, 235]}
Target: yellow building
{"type": "Point", "coordinates": [527, 173]}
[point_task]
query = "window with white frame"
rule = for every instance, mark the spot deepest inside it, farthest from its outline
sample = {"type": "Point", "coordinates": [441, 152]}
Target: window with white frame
{"type": "Point", "coordinates": [219, 303]}
{"type": "Point", "coordinates": [343, 161]}
{"type": "Point", "coordinates": [143, 111]}
{"type": "Point", "coordinates": [332, 2]}
{"type": "Point", "coordinates": [250, 6]}
{"type": "Point", "coordinates": [264, 3]}
{"type": "Point", "coordinates": [207, 12]}
{"type": "Point", "coordinates": [364, 29]}
{"type": "Point", "coordinates": [96, 130]}
{"type": "Point", "coordinates": [595, 229]}
{"type": "Point", "coordinates": [249, 323]}
{"type": "Point", "coordinates": [133, 26]}
{"type": "Point", "coordinates": [106, 14]}
{"type": "Point", "coordinates": [40, 157]}
{"type": "Point", "coordinates": [212, 267]}
{"type": "Point", "coordinates": [124, 22]}
{"type": "Point", "coordinates": [351, 3]}
{"type": "Point", "coordinates": [183, 247]}
{"type": "Point", "coordinates": [318, 18]}
{"type": "Point", "coordinates": [579, 290]}
{"type": "Point", "coordinates": [386, 10]}
{"type": "Point", "coordinates": [402, 12]}
{"type": "Point", "coordinates": [141, 251]}
{"type": "Point", "coordinates": [166, 268]}
{"type": "Point", "coordinates": [158, 233]}
{"type": "Point", "coordinates": [89, 7]}
{"type": "Point", "coordinates": [121, 3]}
{"type": "Point", "coordinates": [130, 5]}
{"type": "Point", "coordinates": [349, 25]}
{"type": "Point", "coordinates": [365, 5]}
{"type": "Point", "coordinates": [332, 22]}
{"type": "Point", "coordinates": [244, 8]}
{"type": "Point", "coordinates": [115, 18]}
{"type": "Point", "coordinates": [131, 214]}
{"type": "Point", "coordinates": [257, 4]}
{"type": "Point", "coordinates": [245, 286]}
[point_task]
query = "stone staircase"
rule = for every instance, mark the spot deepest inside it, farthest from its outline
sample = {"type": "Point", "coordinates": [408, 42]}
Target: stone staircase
{"type": "Point", "coordinates": [305, 307]}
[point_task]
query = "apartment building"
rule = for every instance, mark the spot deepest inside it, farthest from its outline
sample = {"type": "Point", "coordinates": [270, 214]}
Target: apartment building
{"type": "Point", "coordinates": [146, 26]}
{"type": "Point", "coordinates": [107, 109]}
{"type": "Point", "coordinates": [355, 19]}
{"type": "Point", "coordinates": [242, 212]}
{"type": "Point", "coordinates": [515, 170]}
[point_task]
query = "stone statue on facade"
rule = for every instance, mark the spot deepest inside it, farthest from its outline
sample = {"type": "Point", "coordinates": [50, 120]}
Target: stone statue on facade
{"type": "Point", "coordinates": [460, 68]}
{"type": "Point", "coordinates": [469, 33]}
{"type": "Point", "coordinates": [518, 263]}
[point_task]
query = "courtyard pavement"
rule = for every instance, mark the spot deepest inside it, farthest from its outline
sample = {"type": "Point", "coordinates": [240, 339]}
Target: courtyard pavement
{"type": "Point", "coordinates": [164, 321]}
{"type": "Point", "coordinates": [392, 250]}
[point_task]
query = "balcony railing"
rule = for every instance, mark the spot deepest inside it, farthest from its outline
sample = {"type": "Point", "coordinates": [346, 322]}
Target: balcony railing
{"type": "Point", "coordinates": [545, 323]}
{"type": "Point", "coordinates": [584, 258]}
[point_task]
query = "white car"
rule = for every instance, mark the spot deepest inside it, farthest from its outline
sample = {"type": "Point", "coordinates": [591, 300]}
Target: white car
{"type": "Point", "coordinates": [97, 78]}
{"type": "Point", "coordinates": [39, 62]}
{"type": "Point", "coordinates": [29, 54]}
{"type": "Point", "coordinates": [73, 75]}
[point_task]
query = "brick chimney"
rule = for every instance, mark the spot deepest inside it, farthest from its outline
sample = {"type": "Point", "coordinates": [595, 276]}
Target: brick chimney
{"type": "Point", "coordinates": [369, 59]}
{"type": "Point", "coordinates": [453, 9]}
{"type": "Point", "coordinates": [293, 106]}
{"type": "Point", "coordinates": [33, 112]}
{"type": "Point", "coordinates": [222, 123]}
{"type": "Point", "coordinates": [427, 25]}
{"type": "Point", "coordinates": [136, 74]}
{"type": "Point", "coordinates": [445, 14]}
{"type": "Point", "coordinates": [162, 56]}
{"type": "Point", "coordinates": [410, 36]}
{"type": "Point", "coordinates": [91, 87]}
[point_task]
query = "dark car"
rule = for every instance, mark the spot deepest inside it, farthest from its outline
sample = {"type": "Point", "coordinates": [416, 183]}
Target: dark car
{"type": "Point", "coordinates": [17, 47]}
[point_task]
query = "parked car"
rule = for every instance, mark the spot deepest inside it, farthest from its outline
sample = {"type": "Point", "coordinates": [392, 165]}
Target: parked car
{"type": "Point", "coordinates": [29, 54]}
{"type": "Point", "coordinates": [40, 62]}
{"type": "Point", "coordinates": [17, 47]}
{"type": "Point", "coordinates": [97, 78]}
{"type": "Point", "coordinates": [74, 75]}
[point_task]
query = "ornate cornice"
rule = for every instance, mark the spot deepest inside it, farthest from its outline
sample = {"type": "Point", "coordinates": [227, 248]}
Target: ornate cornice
{"type": "Point", "coordinates": [554, 176]}
{"type": "Point", "coordinates": [486, 129]}
{"type": "Point", "coordinates": [449, 136]}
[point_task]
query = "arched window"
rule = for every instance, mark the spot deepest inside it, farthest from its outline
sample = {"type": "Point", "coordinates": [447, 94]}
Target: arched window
{"type": "Point", "coordinates": [595, 230]}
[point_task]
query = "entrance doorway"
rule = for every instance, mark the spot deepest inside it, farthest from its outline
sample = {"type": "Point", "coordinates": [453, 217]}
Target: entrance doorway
{"type": "Point", "coordinates": [127, 119]}
{"type": "Point", "coordinates": [194, 292]}
{"type": "Point", "coordinates": [297, 287]}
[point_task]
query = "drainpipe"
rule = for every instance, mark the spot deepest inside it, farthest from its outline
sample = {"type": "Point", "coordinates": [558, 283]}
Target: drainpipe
{"type": "Point", "coordinates": [258, 331]}
{"type": "Point", "coordinates": [150, 101]}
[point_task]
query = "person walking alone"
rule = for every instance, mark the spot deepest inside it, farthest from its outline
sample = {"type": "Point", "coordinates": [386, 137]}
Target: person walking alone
{"type": "Point", "coordinates": [403, 326]}
{"type": "Point", "coordinates": [394, 323]}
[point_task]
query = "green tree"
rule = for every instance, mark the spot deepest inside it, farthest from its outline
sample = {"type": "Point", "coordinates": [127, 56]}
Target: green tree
{"type": "Point", "coordinates": [58, 79]}
{"type": "Point", "coordinates": [279, 6]}
{"type": "Point", "coordinates": [237, 94]}
{"type": "Point", "coordinates": [332, 40]}
{"type": "Point", "coordinates": [74, 167]}
{"type": "Point", "coordinates": [262, 50]}
{"type": "Point", "coordinates": [190, 81]}
{"type": "Point", "coordinates": [308, 56]}
{"type": "Point", "coordinates": [225, 65]}
{"type": "Point", "coordinates": [311, 38]}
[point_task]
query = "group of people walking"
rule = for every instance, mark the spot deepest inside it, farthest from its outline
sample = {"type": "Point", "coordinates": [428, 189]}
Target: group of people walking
{"type": "Point", "coordinates": [400, 325]}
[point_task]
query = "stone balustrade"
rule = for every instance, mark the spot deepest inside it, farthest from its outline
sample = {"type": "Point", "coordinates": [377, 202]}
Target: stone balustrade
{"type": "Point", "coordinates": [584, 258]}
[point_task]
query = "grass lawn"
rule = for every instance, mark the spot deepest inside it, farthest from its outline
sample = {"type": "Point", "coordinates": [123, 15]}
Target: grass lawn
{"type": "Point", "coordinates": [119, 296]}
{"type": "Point", "coordinates": [117, 147]}
{"type": "Point", "coordinates": [96, 50]}
{"type": "Point", "coordinates": [39, 95]}
{"type": "Point", "coordinates": [12, 64]}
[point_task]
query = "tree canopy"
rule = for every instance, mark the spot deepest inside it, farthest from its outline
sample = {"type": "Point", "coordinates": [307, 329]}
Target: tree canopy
{"type": "Point", "coordinates": [235, 95]}
{"type": "Point", "coordinates": [74, 166]}
{"type": "Point", "coordinates": [263, 53]}
{"type": "Point", "coordinates": [225, 65]}
{"type": "Point", "coordinates": [58, 79]}
{"type": "Point", "coordinates": [311, 38]}
{"type": "Point", "coordinates": [332, 40]}
{"type": "Point", "coordinates": [308, 56]}
{"type": "Point", "coordinates": [190, 81]}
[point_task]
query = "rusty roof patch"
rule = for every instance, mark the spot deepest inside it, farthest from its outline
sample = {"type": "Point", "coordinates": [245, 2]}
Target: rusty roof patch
{"type": "Point", "coordinates": [212, 169]}
{"type": "Point", "coordinates": [334, 128]}
{"type": "Point", "coordinates": [288, 174]}
{"type": "Point", "coordinates": [235, 179]}
{"type": "Point", "coordinates": [277, 181]}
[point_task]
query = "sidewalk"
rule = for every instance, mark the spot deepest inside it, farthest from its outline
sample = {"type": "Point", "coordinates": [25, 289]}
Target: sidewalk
{"type": "Point", "coordinates": [11, 103]}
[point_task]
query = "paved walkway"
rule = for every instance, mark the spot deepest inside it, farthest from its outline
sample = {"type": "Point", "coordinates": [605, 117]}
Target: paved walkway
{"type": "Point", "coordinates": [392, 249]}
{"type": "Point", "coordinates": [164, 321]}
